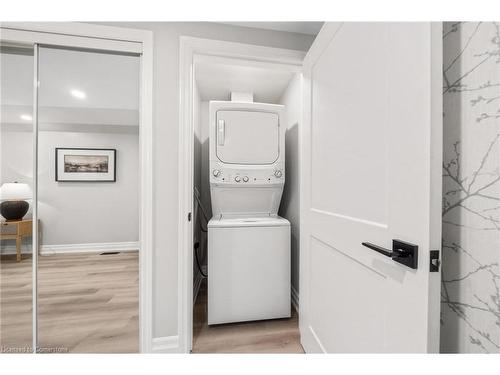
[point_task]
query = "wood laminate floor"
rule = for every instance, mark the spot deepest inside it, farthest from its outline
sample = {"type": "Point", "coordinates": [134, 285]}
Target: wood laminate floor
{"type": "Point", "coordinates": [88, 303]}
{"type": "Point", "coordinates": [266, 336]}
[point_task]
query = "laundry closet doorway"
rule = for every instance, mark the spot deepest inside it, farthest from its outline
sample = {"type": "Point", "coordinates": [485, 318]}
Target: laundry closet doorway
{"type": "Point", "coordinates": [211, 70]}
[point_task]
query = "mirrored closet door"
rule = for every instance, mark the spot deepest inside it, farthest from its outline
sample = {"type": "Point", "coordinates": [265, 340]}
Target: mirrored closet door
{"type": "Point", "coordinates": [88, 200]}
{"type": "Point", "coordinates": [69, 194]}
{"type": "Point", "coordinates": [16, 193]}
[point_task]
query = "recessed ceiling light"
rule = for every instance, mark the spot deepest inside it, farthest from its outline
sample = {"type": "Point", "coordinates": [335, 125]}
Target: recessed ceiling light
{"type": "Point", "coordinates": [78, 94]}
{"type": "Point", "coordinates": [26, 117]}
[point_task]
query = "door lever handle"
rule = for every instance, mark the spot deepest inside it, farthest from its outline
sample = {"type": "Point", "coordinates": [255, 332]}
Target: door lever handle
{"type": "Point", "coordinates": [379, 249]}
{"type": "Point", "coordinates": [402, 252]}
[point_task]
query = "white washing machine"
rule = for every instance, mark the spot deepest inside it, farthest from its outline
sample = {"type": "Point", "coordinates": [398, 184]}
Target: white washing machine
{"type": "Point", "coordinates": [249, 269]}
{"type": "Point", "coordinates": [248, 243]}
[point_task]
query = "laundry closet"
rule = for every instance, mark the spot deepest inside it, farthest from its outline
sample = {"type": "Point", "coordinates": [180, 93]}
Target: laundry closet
{"type": "Point", "coordinates": [246, 198]}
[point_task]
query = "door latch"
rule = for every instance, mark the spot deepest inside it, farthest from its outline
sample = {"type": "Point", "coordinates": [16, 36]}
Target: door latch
{"type": "Point", "coordinates": [402, 252]}
{"type": "Point", "coordinates": [189, 216]}
{"type": "Point", "coordinates": [435, 262]}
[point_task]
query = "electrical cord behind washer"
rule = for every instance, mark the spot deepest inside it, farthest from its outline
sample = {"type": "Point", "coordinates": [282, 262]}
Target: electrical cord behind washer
{"type": "Point", "coordinates": [196, 246]}
{"type": "Point", "coordinates": [204, 230]}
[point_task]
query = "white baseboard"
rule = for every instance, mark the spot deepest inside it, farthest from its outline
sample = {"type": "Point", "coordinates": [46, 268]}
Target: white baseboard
{"type": "Point", "coordinates": [11, 249]}
{"type": "Point", "coordinates": [295, 299]}
{"type": "Point", "coordinates": [89, 248]}
{"type": "Point", "coordinates": [75, 248]}
{"type": "Point", "coordinates": [167, 344]}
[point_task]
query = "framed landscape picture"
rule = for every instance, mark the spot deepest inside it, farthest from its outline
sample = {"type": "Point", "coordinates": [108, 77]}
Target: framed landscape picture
{"type": "Point", "coordinates": [85, 164]}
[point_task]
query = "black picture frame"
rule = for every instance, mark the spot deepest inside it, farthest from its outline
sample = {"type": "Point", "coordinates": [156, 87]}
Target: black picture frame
{"type": "Point", "coordinates": [89, 179]}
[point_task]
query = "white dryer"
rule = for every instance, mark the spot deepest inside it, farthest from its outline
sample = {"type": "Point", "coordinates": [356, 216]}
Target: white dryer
{"type": "Point", "coordinates": [248, 243]}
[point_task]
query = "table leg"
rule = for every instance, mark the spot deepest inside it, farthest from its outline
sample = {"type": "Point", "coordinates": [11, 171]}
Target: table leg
{"type": "Point", "coordinates": [18, 248]}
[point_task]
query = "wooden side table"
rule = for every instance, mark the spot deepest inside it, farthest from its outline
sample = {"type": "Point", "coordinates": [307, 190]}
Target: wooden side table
{"type": "Point", "coordinates": [23, 228]}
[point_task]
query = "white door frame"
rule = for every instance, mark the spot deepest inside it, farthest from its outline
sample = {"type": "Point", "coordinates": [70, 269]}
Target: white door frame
{"type": "Point", "coordinates": [81, 35]}
{"type": "Point", "coordinates": [217, 50]}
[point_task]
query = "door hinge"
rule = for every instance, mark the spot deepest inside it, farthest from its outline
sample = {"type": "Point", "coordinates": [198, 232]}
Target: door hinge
{"type": "Point", "coordinates": [189, 216]}
{"type": "Point", "coordinates": [434, 261]}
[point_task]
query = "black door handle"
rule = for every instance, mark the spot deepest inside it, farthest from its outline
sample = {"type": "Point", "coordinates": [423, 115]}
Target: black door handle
{"type": "Point", "coordinates": [402, 252]}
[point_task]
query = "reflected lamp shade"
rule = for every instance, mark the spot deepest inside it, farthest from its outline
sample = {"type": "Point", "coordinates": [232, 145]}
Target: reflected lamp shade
{"type": "Point", "coordinates": [13, 197]}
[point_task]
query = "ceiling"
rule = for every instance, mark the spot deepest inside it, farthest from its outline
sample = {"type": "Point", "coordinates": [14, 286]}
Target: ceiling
{"type": "Point", "coordinates": [310, 28]}
{"type": "Point", "coordinates": [216, 80]}
{"type": "Point", "coordinates": [107, 84]}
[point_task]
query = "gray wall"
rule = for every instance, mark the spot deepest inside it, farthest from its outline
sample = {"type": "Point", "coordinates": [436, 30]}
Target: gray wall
{"type": "Point", "coordinates": [471, 196]}
{"type": "Point", "coordinates": [204, 180]}
{"type": "Point", "coordinates": [205, 158]}
{"type": "Point", "coordinates": [79, 212]}
{"type": "Point", "coordinates": [290, 202]}
{"type": "Point", "coordinates": [198, 220]}
{"type": "Point", "coordinates": [166, 132]}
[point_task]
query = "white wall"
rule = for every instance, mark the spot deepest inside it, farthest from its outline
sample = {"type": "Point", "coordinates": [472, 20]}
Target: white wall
{"type": "Point", "coordinates": [79, 212]}
{"type": "Point", "coordinates": [166, 136]}
{"type": "Point", "coordinates": [290, 202]}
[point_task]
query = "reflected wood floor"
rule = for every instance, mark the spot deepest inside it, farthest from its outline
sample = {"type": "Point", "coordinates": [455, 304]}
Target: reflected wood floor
{"type": "Point", "coordinates": [88, 303]}
{"type": "Point", "coordinates": [265, 336]}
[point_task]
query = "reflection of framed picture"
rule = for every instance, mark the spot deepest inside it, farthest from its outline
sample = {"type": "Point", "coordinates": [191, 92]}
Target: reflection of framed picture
{"type": "Point", "coordinates": [85, 164]}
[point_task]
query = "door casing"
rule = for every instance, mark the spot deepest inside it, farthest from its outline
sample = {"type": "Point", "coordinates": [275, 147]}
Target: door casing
{"type": "Point", "coordinates": [191, 50]}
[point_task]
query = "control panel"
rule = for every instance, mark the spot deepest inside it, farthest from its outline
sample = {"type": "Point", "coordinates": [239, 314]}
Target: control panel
{"type": "Point", "coordinates": [241, 176]}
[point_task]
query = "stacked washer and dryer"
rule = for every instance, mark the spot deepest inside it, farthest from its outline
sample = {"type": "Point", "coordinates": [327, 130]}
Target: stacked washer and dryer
{"type": "Point", "coordinates": [248, 243]}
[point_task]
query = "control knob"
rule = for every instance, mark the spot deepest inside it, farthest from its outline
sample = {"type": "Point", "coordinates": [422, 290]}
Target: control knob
{"type": "Point", "coordinates": [216, 173]}
{"type": "Point", "coordinates": [278, 173]}
{"type": "Point", "coordinates": [245, 179]}
{"type": "Point", "coordinates": [237, 179]}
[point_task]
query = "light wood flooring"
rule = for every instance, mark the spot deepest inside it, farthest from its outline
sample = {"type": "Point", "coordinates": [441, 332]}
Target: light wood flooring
{"type": "Point", "coordinates": [266, 336]}
{"type": "Point", "coordinates": [88, 303]}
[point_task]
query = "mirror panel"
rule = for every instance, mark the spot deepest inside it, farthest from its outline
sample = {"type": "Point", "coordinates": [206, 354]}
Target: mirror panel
{"type": "Point", "coordinates": [88, 201]}
{"type": "Point", "coordinates": [16, 184]}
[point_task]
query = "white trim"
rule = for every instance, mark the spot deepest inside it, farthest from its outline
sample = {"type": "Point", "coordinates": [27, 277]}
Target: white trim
{"type": "Point", "coordinates": [295, 299]}
{"type": "Point", "coordinates": [167, 344]}
{"type": "Point", "coordinates": [78, 248]}
{"type": "Point", "coordinates": [30, 37]}
{"type": "Point", "coordinates": [34, 230]}
{"type": "Point", "coordinates": [189, 47]}
{"type": "Point", "coordinates": [146, 193]}
{"type": "Point", "coordinates": [112, 38]}
{"type": "Point", "coordinates": [89, 248]}
{"type": "Point", "coordinates": [11, 249]}
{"type": "Point", "coordinates": [185, 240]}
{"type": "Point", "coordinates": [82, 29]}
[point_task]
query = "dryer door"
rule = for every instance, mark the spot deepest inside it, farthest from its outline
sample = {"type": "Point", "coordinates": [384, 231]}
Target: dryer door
{"type": "Point", "coordinates": [247, 137]}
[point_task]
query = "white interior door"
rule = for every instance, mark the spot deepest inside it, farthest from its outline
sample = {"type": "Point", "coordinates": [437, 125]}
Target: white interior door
{"type": "Point", "coordinates": [371, 172]}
